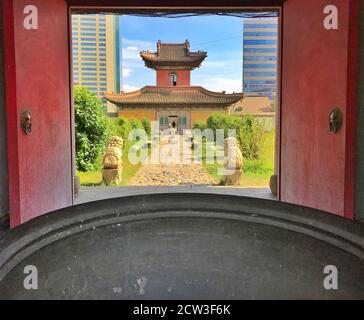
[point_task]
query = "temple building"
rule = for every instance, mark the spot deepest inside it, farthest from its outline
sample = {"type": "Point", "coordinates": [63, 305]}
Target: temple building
{"type": "Point", "coordinates": [173, 100]}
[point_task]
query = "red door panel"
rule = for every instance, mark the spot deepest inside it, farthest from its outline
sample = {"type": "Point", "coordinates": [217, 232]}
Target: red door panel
{"type": "Point", "coordinates": [318, 74]}
{"type": "Point", "coordinates": [37, 76]}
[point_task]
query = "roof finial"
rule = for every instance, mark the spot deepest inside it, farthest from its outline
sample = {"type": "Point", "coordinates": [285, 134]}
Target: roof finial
{"type": "Point", "coordinates": [159, 43]}
{"type": "Point", "coordinates": [187, 45]}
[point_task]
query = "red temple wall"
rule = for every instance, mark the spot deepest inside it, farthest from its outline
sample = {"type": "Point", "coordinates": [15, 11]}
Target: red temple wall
{"type": "Point", "coordinates": [183, 78]}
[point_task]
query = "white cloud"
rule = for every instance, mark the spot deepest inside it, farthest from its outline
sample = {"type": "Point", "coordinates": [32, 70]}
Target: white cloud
{"type": "Point", "coordinates": [138, 43]}
{"type": "Point", "coordinates": [130, 55]}
{"type": "Point", "coordinates": [219, 84]}
{"type": "Point", "coordinates": [215, 64]}
{"type": "Point", "coordinates": [132, 48]}
{"type": "Point", "coordinates": [221, 64]}
{"type": "Point", "coordinates": [129, 88]}
{"type": "Point", "coordinates": [127, 72]}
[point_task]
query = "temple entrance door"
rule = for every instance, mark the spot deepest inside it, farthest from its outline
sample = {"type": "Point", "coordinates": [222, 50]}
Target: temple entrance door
{"type": "Point", "coordinates": [38, 91]}
{"type": "Point", "coordinates": [173, 122]}
{"type": "Point", "coordinates": [182, 123]}
{"type": "Point", "coordinates": [320, 41]}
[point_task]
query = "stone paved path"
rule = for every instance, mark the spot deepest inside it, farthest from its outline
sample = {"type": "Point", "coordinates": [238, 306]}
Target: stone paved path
{"type": "Point", "coordinates": [172, 174]}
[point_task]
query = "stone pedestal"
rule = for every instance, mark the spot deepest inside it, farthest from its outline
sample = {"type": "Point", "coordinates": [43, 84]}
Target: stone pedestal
{"type": "Point", "coordinates": [273, 184]}
{"type": "Point", "coordinates": [232, 178]}
{"type": "Point", "coordinates": [112, 176]}
{"type": "Point", "coordinates": [77, 185]}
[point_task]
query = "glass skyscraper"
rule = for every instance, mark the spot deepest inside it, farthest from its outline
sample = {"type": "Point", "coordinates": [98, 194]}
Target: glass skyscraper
{"type": "Point", "coordinates": [96, 54]}
{"type": "Point", "coordinates": [260, 55]}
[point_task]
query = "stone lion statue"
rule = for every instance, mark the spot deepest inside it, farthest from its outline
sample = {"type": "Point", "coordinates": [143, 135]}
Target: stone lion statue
{"type": "Point", "coordinates": [112, 161]}
{"type": "Point", "coordinates": [116, 142]}
{"type": "Point", "coordinates": [112, 158]}
{"type": "Point", "coordinates": [233, 156]}
{"type": "Point", "coordinates": [233, 163]}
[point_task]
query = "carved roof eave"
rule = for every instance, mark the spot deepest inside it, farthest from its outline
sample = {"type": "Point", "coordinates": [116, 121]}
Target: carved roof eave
{"type": "Point", "coordinates": [159, 65]}
{"type": "Point", "coordinates": [192, 61]}
{"type": "Point", "coordinates": [194, 96]}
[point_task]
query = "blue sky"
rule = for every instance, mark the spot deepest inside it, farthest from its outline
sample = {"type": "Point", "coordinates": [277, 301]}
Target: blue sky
{"type": "Point", "coordinates": [220, 36]}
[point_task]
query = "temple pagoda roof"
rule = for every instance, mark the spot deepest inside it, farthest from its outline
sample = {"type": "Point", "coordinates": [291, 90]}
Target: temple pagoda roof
{"type": "Point", "coordinates": [152, 95]}
{"type": "Point", "coordinates": [173, 55]}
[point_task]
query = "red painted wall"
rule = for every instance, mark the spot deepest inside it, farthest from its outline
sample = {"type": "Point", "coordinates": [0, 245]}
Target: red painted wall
{"type": "Point", "coordinates": [37, 75]}
{"type": "Point", "coordinates": [317, 166]}
{"type": "Point", "coordinates": [183, 80]}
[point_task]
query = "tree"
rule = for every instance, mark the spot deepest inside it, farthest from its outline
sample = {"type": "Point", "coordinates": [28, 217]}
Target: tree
{"type": "Point", "coordinates": [147, 125]}
{"type": "Point", "coordinates": [91, 128]}
{"type": "Point", "coordinates": [120, 127]}
{"type": "Point", "coordinates": [251, 137]}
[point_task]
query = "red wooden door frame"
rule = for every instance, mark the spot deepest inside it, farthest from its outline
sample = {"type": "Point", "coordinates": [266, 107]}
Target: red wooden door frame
{"type": "Point", "coordinates": [345, 199]}
{"type": "Point", "coordinates": [352, 98]}
{"type": "Point", "coordinates": [11, 113]}
{"type": "Point", "coordinates": [21, 163]}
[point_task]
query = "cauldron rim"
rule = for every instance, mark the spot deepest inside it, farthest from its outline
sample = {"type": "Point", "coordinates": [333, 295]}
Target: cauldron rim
{"type": "Point", "coordinates": [26, 239]}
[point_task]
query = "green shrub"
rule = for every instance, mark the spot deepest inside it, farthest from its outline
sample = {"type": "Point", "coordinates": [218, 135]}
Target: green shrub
{"type": "Point", "coordinates": [215, 121]}
{"type": "Point", "coordinates": [121, 127]}
{"type": "Point", "coordinates": [136, 125]}
{"type": "Point", "coordinates": [113, 128]}
{"type": "Point", "coordinates": [251, 137]}
{"type": "Point", "coordinates": [250, 132]}
{"type": "Point", "coordinates": [223, 121]}
{"type": "Point", "coordinates": [91, 128]}
{"type": "Point", "coordinates": [147, 125]}
{"type": "Point", "coordinates": [202, 126]}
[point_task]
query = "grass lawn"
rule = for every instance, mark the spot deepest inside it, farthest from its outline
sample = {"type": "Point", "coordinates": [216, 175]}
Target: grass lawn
{"type": "Point", "coordinates": [94, 178]}
{"type": "Point", "coordinates": [255, 173]}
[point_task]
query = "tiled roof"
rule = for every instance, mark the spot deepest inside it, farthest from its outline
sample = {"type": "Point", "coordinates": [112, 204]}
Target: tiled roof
{"type": "Point", "coordinates": [151, 95]}
{"type": "Point", "coordinates": [173, 54]}
{"type": "Point", "coordinates": [252, 105]}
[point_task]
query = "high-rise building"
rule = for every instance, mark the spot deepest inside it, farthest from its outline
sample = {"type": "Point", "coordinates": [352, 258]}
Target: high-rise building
{"type": "Point", "coordinates": [96, 54]}
{"type": "Point", "coordinates": [260, 55]}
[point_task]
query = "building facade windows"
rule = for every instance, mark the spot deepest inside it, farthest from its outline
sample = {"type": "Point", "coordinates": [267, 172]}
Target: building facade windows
{"type": "Point", "coordinates": [89, 69]}
{"type": "Point", "coordinates": [88, 34]}
{"type": "Point", "coordinates": [87, 49]}
{"type": "Point", "coordinates": [89, 84]}
{"type": "Point", "coordinates": [261, 34]}
{"type": "Point", "coordinates": [264, 25]}
{"type": "Point", "coordinates": [87, 24]}
{"type": "Point", "coordinates": [260, 50]}
{"type": "Point", "coordinates": [260, 56]}
{"type": "Point", "coordinates": [88, 18]}
{"type": "Point", "coordinates": [260, 66]}
{"type": "Point", "coordinates": [92, 44]}
{"type": "Point", "coordinates": [89, 29]}
{"type": "Point", "coordinates": [260, 42]}
{"type": "Point", "coordinates": [92, 55]}
{"type": "Point", "coordinates": [87, 39]}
